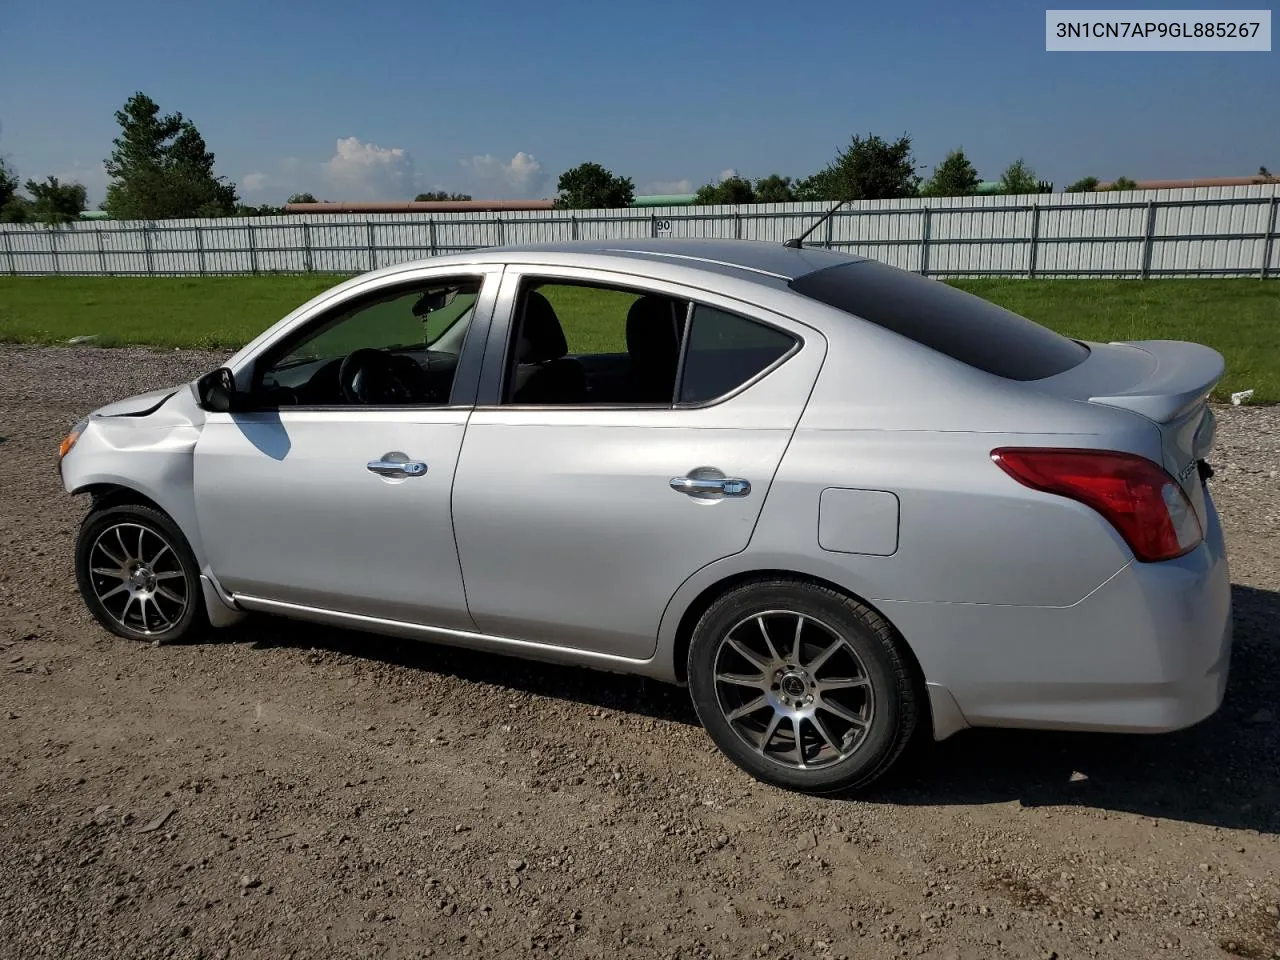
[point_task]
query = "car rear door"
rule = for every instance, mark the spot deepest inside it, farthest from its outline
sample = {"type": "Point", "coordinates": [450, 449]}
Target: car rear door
{"type": "Point", "coordinates": [576, 523]}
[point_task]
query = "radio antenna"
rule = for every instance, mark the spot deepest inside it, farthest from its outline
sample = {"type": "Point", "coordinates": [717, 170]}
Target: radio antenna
{"type": "Point", "coordinates": [798, 242]}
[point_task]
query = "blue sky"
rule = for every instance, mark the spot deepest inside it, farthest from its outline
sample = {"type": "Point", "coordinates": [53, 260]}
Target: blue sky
{"type": "Point", "coordinates": [381, 99]}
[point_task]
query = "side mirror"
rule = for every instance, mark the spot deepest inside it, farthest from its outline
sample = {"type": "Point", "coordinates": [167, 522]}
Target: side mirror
{"type": "Point", "coordinates": [217, 390]}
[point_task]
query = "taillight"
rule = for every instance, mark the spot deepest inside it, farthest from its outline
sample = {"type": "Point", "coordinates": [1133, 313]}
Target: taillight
{"type": "Point", "coordinates": [1139, 498]}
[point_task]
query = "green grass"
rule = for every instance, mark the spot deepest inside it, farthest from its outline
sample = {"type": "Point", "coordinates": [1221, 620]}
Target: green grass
{"type": "Point", "coordinates": [1239, 318]}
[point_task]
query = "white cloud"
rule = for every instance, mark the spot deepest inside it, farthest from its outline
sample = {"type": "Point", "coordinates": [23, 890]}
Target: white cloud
{"type": "Point", "coordinates": [365, 171]}
{"type": "Point", "coordinates": [669, 186]}
{"type": "Point", "coordinates": [521, 177]}
{"type": "Point", "coordinates": [726, 173]}
{"type": "Point", "coordinates": [253, 183]}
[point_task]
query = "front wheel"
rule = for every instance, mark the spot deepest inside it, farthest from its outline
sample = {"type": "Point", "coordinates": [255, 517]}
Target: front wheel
{"type": "Point", "coordinates": [801, 686]}
{"type": "Point", "coordinates": [137, 574]}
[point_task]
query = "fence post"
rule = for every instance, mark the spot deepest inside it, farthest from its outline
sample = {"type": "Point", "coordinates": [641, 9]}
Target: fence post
{"type": "Point", "coordinates": [102, 254]}
{"type": "Point", "coordinates": [653, 224]}
{"type": "Point", "coordinates": [53, 248]}
{"type": "Point", "coordinates": [1146, 243]}
{"type": "Point", "coordinates": [1269, 244]}
{"type": "Point", "coordinates": [573, 227]}
{"type": "Point", "coordinates": [737, 225]}
{"type": "Point", "coordinates": [373, 256]}
{"type": "Point", "coordinates": [8, 249]}
{"type": "Point", "coordinates": [307, 262]}
{"type": "Point", "coordinates": [926, 230]}
{"type": "Point", "coordinates": [146, 246]}
{"type": "Point", "coordinates": [830, 222]}
{"type": "Point", "coordinates": [253, 249]}
{"type": "Point", "coordinates": [1035, 237]}
{"type": "Point", "coordinates": [204, 267]}
{"type": "Point", "coordinates": [431, 229]}
{"type": "Point", "coordinates": [500, 230]}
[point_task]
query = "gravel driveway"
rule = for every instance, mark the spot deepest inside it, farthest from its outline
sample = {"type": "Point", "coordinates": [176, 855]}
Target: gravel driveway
{"type": "Point", "coordinates": [289, 791]}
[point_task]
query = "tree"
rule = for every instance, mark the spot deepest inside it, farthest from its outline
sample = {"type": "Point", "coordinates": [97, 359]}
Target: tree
{"type": "Point", "coordinates": [161, 167]}
{"type": "Point", "coordinates": [590, 186]}
{"type": "Point", "coordinates": [302, 198]}
{"type": "Point", "coordinates": [1123, 183]}
{"type": "Point", "coordinates": [14, 208]}
{"type": "Point", "coordinates": [53, 202]}
{"type": "Point", "coordinates": [262, 210]}
{"type": "Point", "coordinates": [871, 168]}
{"type": "Point", "coordinates": [733, 189]}
{"type": "Point", "coordinates": [1019, 178]}
{"type": "Point", "coordinates": [437, 195]}
{"type": "Point", "coordinates": [774, 189]}
{"type": "Point", "coordinates": [954, 177]}
{"type": "Point", "coordinates": [1083, 185]}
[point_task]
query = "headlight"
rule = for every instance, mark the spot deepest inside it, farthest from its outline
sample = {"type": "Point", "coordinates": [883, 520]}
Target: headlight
{"type": "Point", "coordinates": [70, 439]}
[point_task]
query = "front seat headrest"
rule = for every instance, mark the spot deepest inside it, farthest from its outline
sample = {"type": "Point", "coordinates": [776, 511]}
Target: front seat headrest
{"type": "Point", "coordinates": [541, 336]}
{"type": "Point", "coordinates": [655, 326]}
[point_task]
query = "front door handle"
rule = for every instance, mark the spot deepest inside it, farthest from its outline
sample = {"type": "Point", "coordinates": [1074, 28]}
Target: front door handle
{"type": "Point", "coordinates": [392, 466]}
{"type": "Point", "coordinates": [711, 486]}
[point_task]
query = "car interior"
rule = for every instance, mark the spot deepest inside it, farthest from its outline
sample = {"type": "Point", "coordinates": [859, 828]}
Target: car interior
{"type": "Point", "coordinates": [397, 349]}
{"type": "Point", "coordinates": [546, 371]}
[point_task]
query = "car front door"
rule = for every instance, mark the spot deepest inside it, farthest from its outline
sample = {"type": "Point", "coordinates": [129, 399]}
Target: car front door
{"type": "Point", "coordinates": [331, 490]}
{"type": "Point", "coordinates": [590, 484]}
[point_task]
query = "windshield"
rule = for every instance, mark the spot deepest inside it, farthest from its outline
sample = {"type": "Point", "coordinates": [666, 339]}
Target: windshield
{"type": "Point", "coordinates": [964, 327]}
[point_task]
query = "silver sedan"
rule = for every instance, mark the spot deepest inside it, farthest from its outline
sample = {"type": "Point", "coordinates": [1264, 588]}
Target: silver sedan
{"type": "Point", "coordinates": [839, 501]}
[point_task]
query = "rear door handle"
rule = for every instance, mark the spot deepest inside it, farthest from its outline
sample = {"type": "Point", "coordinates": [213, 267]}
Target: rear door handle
{"type": "Point", "coordinates": [711, 486]}
{"type": "Point", "coordinates": [397, 468]}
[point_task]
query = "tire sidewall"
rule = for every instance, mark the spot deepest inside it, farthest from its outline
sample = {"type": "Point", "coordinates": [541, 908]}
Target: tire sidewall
{"type": "Point", "coordinates": [99, 520]}
{"type": "Point", "coordinates": [881, 742]}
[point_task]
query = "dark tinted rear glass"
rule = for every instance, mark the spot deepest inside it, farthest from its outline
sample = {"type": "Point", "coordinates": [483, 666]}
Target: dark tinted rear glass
{"type": "Point", "coordinates": [725, 351]}
{"type": "Point", "coordinates": [965, 327]}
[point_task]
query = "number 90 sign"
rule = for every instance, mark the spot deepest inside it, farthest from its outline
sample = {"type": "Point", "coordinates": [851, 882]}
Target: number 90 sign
{"type": "Point", "coordinates": [661, 226]}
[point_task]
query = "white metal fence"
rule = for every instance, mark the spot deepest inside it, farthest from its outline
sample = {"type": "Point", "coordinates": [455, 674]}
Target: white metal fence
{"type": "Point", "coordinates": [1206, 231]}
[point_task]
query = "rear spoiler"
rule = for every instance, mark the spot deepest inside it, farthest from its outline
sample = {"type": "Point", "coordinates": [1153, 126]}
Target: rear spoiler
{"type": "Point", "coordinates": [1184, 375]}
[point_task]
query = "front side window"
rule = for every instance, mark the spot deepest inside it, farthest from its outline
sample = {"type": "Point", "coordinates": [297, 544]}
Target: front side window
{"type": "Point", "coordinates": [398, 348]}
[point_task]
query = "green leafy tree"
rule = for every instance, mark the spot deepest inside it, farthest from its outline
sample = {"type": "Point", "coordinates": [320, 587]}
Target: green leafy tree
{"type": "Point", "coordinates": [954, 177]}
{"type": "Point", "coordinates": [56, 203]}
{"type": "Point", "coordinates": [437, 195]}
{"type": "Point", "coordinates": [733, 189]}
{"type": "Point", "coordinates": [8, 183]}
{"type": "Point", "coordinates": [302, 198]}
{"type": "Point", "coordinates": [262, 210]}
{"type": "Point", "coordinates": [1123, 183]}
{"type": "Point", "coordinates": [14, 208]}
{"type": "Point", "coordinates": [774, 189]}
{"type": "Point", "coordinates": [872, 168]}
{"type": "Point", "coordinates": [161, 167]}
{"type": "Point", "coordinates": [1019, 178]}
{"type": "Point", "coordinates": [1083, 185]}
{"type": "Point", "coordinates": [590, 186]}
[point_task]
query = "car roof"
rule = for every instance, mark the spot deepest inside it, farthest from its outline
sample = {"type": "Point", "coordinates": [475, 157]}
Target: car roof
{"type": "Point", "coordinates": [729, 257]}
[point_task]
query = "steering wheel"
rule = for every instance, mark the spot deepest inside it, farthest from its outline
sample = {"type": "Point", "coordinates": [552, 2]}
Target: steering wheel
{"type": "Point", "coordinates": [372, 376]}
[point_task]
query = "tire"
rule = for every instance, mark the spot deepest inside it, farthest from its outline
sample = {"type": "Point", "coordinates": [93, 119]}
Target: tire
{"type": "Point", "coordinates": [857, 708]}
{"type": "Point", "coordinates": [138, 576]}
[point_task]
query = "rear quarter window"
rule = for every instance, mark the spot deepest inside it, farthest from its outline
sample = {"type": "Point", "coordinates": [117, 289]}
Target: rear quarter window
{"type": "Point", "coordinates": [967, 328]}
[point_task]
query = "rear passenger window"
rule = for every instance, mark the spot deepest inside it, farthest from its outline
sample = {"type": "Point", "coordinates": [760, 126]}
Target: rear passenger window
{"type": "Point", "coordinates": [724, 351]}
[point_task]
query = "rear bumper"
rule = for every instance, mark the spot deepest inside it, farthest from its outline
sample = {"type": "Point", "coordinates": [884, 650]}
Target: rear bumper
{"type": "Point", "coordinates": [1148, 651]}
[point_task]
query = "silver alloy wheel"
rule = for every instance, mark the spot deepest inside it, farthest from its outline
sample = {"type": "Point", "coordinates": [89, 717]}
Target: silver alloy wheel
{"type": "Point", "coordinates": [793, 689]}
{"type": "Point", "coordinates": [138, 578]}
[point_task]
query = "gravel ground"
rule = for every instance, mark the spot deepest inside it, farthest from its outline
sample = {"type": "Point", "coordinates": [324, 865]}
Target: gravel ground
{"type": "Point", "coordinates": [288, 791]}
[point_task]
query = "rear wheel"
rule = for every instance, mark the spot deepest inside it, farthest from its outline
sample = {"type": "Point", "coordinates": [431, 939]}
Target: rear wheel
{"type": "Point", "coordinates": [801, 686]}
{"type": "Point", "coordinates": [137, 574]}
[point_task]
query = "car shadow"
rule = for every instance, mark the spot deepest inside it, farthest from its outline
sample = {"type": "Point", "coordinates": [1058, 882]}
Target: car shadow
{"type": "Point", "coordinates": [1222, 772]}
{"type": "Point", "coordinates": [596, 688]}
